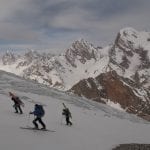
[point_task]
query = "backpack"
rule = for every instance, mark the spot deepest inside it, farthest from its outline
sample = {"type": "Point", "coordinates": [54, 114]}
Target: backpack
{"type": "Point", "coordinates": [39, 111]}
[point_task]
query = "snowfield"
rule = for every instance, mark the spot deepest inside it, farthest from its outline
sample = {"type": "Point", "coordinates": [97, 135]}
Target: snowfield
{"type": "Point", "coordinates": [95, 126]}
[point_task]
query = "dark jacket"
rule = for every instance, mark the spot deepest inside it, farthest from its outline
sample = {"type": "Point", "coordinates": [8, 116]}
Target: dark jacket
{"type": "Point", "coordinates": [16, 100]}
{"type": "Point", "coordinates": [66, 112]}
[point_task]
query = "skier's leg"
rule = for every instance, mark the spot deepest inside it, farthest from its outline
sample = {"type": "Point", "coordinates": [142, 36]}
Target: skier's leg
{"type": "Point", "coordinates": [70, 122]}
{"type": "Point", "coordinates": [20, 109]}
{"type": "Point", "coordinates": [34, 122]}
{"type": "Point", "coordinates": [42, 123]}
{"type": "Point", "coordinates": [15, 106]}
{"type": "Point", "coordinates": [67, 120]}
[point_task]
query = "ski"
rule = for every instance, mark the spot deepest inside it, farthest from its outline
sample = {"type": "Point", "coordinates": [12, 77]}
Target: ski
{"type": "Point", "coordinates": [34, 129]}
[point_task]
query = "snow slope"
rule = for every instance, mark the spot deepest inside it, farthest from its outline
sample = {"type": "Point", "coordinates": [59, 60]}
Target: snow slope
{"type": "Point", "coordinates": [95, 126]}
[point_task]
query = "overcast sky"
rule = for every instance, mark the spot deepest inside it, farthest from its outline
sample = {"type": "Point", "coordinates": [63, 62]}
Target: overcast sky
{"type": "Point", "coordinates": [55, 24]}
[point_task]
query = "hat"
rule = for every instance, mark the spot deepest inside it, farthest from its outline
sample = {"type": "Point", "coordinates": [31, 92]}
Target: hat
{"type": "Point", "coordinates": [36, 105]}
{"type": "Point", "coordinates": [11, 94]}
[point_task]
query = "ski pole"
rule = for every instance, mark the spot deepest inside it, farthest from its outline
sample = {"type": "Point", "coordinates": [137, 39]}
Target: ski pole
{"type": "Point", "coordinates": [61, 120]}
{"type": "Point", "coordinates": [28, 120]}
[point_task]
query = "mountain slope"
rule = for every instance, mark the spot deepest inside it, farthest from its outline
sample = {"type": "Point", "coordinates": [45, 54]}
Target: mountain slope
{"type": "Point", "coordinates": [118, 73]}
{"type": "Point", "coordinates": [96, 126]}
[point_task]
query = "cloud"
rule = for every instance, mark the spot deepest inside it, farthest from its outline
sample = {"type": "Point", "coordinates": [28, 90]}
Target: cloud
{"type": "Point", "coordinates": [55, 24]}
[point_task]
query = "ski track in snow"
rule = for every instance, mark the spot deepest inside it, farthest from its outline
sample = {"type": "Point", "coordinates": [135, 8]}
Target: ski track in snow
{"type": "Point", "coordinates": [95, 126]}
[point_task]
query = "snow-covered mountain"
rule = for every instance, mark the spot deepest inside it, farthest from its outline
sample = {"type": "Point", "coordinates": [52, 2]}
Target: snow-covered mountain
{"type": "Point", "coordinates": [118, 73]}
{"type": "Point", "coordinates": [131, 53]}
{"type": "Point", "coordinates": [126, 79]}
{"type": "Point", "coordinates": [61, 71]}
{"type": "Point", "coordinates": [95, 126]}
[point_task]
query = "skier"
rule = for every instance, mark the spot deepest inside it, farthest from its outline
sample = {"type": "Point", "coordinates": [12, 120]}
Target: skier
{"type": "Point", "coordinates": [66, 112]}
{"type": "Point", "coordinates": [39, 113]}
{"type": "Point", "coordinates": [17, 103]}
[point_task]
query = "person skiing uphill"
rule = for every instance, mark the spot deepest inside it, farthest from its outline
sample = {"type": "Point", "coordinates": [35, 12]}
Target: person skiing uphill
{"type": "Point", "coordinates": [17, 103]}
{"type": "Point", "coordinates": [39, 113]}
{"type": "Point", "coordinates": [66, 112]}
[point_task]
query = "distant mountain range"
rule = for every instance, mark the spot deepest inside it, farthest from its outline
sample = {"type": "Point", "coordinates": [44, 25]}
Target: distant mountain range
{"type": "Point", "coordinates": [118, 73]}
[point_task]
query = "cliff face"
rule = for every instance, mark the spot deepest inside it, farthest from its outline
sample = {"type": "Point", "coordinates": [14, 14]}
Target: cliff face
{"type": "Point", "coordinates": [131, 54]}
{"type": "Point", "coordinates": [132, 146]}
{"type": "Point", "coordinates": [111, 87]}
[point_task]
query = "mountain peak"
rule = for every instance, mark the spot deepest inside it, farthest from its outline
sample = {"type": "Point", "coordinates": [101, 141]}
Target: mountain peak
{"type": "Point", "coordinates": [129, 30]}
{"type": "Point", "coordinates": [8, 58]}
{"type": "Point", "coordinates": [129, 38]}
{"type": "Point", "coordinates": [82, 51]}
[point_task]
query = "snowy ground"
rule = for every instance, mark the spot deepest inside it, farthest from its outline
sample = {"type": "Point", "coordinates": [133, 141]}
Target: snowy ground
{"type": "Point", "coordinates": [95, 126]}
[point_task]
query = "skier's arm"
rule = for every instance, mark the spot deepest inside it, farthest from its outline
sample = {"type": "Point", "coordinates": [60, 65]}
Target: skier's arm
{"type": "Point", "coordinates": [31, 112]}
{"type": "Point", "coordinates": [35, 112]}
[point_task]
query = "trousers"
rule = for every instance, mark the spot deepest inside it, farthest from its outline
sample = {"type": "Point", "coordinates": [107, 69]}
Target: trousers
{"type": "Point", "coordinates": [40, 121]}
